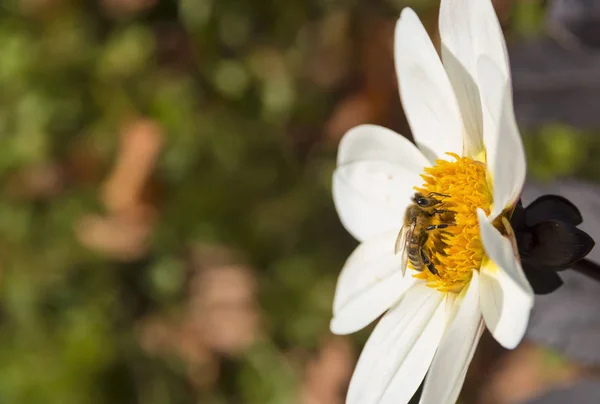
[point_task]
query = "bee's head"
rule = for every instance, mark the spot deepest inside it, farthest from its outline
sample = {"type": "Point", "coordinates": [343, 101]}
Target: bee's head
{"type": "Point", "coordinates": [424, 201]}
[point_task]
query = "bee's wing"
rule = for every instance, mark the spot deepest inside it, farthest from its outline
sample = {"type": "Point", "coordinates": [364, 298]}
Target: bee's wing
{"type": "Point", "coordinates": [402, 244]}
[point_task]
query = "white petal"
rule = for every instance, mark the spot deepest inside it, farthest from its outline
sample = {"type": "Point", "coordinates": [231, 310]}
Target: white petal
{"type": "Point", "coordinates": [371, 281]}
{"type": "Point", "coordinates": [425, 91]}
{"type": "Point", "coordinates": [377, 170]}
{"type": "Point", "coordinates": [505, 153]}
{"type": "Point", "coordinates": [506, 296]}
{"type": "Point", "coordinates": [399, 352]}
{"type": "Point", "coordinates": [469, 29]}
{"type": "Point", "coordinates": [376, 143]}
{"type": "Point", "coordinates": [449, 367]}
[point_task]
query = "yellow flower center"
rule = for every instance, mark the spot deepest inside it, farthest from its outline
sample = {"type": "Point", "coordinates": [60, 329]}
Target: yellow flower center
{"type": "Point", "coordinates": [456, 251]}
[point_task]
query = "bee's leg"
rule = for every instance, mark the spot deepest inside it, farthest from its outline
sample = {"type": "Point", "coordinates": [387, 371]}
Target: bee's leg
{"type": "Point", "coordinates": [439, 212]}
{"type": "Point", "coordinates": [439, 226]}
{"type": "Point", "coordinates": [428, 263]}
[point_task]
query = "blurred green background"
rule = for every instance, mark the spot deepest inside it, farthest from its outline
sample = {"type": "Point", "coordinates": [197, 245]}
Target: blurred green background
{"type": "Point", "coordinates": [167, 233]}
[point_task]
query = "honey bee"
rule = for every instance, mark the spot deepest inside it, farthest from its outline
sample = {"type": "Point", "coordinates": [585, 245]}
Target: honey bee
{"type": "Point", "coordinates": [415, 231]}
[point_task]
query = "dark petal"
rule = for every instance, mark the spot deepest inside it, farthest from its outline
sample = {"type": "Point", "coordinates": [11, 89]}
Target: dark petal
{"type": "Point", "coordinates": [585, 195]}
{"type": "Point", "coordinates": [552, 207]}
{"type": "Point", "coordinates": [517, 220]}
{"type": "Point", "coordinates": [543, 281]}
{"type": "Point", "coordinates": [557, 245]}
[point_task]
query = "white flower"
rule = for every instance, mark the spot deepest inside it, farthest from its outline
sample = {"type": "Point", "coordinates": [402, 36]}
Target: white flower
{"type": "Point", "coordinates": [432, 323]}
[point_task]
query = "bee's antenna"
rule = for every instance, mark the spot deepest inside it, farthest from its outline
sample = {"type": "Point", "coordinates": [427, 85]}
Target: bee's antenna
{"type": "Point", "coordinates": [438, 194]}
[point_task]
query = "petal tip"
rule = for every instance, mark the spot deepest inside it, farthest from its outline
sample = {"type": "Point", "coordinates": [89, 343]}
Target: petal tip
{"type": "Point", "coordinates": [407, 12]}
{"type": "Point", "coordinates": [481, 215]}
{"type": "Point", "coordinates": [337, 327]}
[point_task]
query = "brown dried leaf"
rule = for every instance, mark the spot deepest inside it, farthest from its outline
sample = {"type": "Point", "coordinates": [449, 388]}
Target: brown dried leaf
{"type": "Point", "coordinates": [141, 142]}
{"type": "Point", "coordinates": [523, 374]}
{"type": "Point", "coordinates": [327, 375]}
{"type": "Point", "coordinates": [224, 308]}
{"type": "Point", "coordinates": [122, 237]}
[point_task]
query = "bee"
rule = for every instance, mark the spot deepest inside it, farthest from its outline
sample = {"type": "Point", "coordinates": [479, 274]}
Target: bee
{"type": "Point", "coordinates": [415, 230]}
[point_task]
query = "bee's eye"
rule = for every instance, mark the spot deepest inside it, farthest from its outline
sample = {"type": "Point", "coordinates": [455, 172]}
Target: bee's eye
{"type": "Point", "coordinates": [422, 202]}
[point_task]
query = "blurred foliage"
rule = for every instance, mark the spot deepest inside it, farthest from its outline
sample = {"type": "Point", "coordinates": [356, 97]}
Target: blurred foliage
{"type": "Point", "coordinates": [558, 151]}
{"type": "Point", "coordinates": [527, 18]}
{"type": "Point", "coordinates": [103, 248]}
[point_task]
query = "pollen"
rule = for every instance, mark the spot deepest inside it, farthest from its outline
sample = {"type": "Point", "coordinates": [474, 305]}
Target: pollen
{"type": "Point", "coordinates": [457, 250]}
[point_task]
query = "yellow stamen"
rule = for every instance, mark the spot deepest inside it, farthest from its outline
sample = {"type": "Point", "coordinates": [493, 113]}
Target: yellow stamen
{"type": "Point", "coordinates": [456, 251]}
